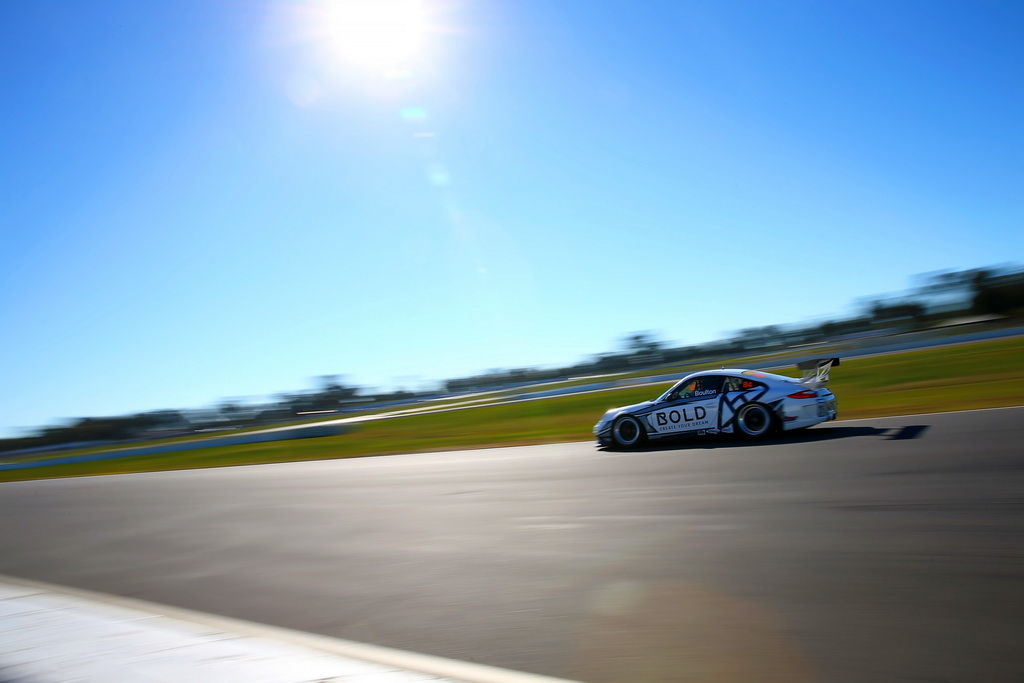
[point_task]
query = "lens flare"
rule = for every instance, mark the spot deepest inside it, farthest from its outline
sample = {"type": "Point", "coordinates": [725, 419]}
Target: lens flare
{"type": "Point", "coordinates": [385, 34]}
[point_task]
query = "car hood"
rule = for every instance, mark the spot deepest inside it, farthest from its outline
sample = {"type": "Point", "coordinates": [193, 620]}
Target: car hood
{"type": "Point", "coordinates": [627, 409]}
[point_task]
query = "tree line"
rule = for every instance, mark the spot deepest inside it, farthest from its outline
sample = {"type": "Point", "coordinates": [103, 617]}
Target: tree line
{"type": "Point", "coordinates": [992, 291]}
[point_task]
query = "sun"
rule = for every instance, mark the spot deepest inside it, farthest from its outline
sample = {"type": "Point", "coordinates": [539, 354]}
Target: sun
{"type": "Point", "coordinates": [379, 34]}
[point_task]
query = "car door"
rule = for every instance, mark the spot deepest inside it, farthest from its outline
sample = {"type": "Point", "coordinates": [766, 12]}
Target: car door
{"type": "Point", "coordinates": [692, 406]}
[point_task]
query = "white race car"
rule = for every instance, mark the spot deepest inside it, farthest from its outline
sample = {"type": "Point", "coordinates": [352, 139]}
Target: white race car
{"type": "Point", "coordinates": [749, 403]}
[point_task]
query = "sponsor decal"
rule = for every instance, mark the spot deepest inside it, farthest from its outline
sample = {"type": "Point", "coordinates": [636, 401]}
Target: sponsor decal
{"type": "Point", "coordinates": [753, 373]}
{"type": "Point", "coordinates": [680, 419]}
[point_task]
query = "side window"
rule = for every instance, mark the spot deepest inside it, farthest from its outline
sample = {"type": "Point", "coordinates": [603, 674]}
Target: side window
{"type": "Point", "coordinates": [740, 384]}
{"type": "Point", "coordinates": [707, 386]}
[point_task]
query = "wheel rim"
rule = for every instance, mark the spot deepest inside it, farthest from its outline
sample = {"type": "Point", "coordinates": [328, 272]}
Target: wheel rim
{"type": "Point", "coordinates": [627, 431]}
{"type": "Point", "coordinates": [754, 421]}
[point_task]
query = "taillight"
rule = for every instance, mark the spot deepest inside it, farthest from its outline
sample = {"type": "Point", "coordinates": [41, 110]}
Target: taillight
{"type": "Point", "coordinates": [806, 393]}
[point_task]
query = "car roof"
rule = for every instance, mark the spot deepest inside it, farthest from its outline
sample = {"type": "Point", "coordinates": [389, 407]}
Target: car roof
{"type": "Point", "coordinates": [760, 374]}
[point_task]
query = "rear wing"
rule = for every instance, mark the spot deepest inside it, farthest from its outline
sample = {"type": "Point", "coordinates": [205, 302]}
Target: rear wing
{"type": "Point", "coordinates": [815, 371]}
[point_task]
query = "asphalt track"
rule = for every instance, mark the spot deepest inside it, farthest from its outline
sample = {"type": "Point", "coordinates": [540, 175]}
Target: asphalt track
{"type": "Point", "coordinates": [871, 550]}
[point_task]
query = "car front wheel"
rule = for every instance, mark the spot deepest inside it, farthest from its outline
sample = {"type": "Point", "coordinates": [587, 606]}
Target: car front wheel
{"type": "Point", "coordinates": [627, 432]}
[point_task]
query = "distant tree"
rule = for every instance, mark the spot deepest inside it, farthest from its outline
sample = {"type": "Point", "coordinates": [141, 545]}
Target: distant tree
{"type": "Point", "coordinates": [884, 313]}
{"type": "Point", "coordinates": [993, 290]}
{"type": "Point", "coordinates": [333, 392]}
{"type": "Point", "coordinates": [642, 347]}
{"type": "Point", "coordinates": [758, 337]}
{"type": "Point", "coordinates": [641, 342]}
{"type": "Point", "coordinates": [230, 409]}
{"type": "Point", "coordinates": [988, 296]}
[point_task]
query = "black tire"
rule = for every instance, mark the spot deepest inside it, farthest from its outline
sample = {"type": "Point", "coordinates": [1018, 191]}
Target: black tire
{"type": "Point", "coordinates": [627, 432]}
{"type": "Point", "coordinates": [755, 421]}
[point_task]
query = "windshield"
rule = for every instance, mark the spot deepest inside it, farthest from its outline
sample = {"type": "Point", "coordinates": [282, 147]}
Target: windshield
{"type": "Point", "coordinates": [674, 389]}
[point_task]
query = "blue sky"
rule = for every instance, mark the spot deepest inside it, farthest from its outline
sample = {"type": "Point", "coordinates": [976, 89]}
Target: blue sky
{"type": "Point", "coordinates": [201, 201]}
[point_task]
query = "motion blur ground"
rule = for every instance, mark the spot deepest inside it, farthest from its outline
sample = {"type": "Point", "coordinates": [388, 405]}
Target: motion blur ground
{"type": "Point", "coordinates": [845, 553]}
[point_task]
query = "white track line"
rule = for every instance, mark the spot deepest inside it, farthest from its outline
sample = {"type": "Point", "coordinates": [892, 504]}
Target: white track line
{"type": "Point", "coordinates": [158, 642]}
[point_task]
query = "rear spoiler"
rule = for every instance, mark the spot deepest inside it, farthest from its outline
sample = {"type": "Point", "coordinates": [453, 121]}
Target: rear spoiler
{"type": "Point", "coordinates": [815, 371]}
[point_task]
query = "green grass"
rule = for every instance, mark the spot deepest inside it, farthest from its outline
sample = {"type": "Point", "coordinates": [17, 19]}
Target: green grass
{"type": "Point", "coordinates": [978, 375]}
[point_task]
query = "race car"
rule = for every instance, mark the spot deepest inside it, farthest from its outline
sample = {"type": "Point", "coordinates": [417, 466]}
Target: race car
{"type": "Point", "coordinates": [748, 403]}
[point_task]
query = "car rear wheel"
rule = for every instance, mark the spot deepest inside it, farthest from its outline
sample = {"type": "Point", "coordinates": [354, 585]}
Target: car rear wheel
{"type": "Point", "coordinates": [754, 420]}
{"type": "Point", "coordinates": [627, 432]}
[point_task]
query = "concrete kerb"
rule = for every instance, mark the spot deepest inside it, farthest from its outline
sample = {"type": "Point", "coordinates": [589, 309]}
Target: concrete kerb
{"type": "Point", "coordinates": [429, 665]}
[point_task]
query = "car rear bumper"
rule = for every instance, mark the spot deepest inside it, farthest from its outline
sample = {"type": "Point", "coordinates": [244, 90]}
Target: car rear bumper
{"type": "Point", "coordinates": [805, 413]}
